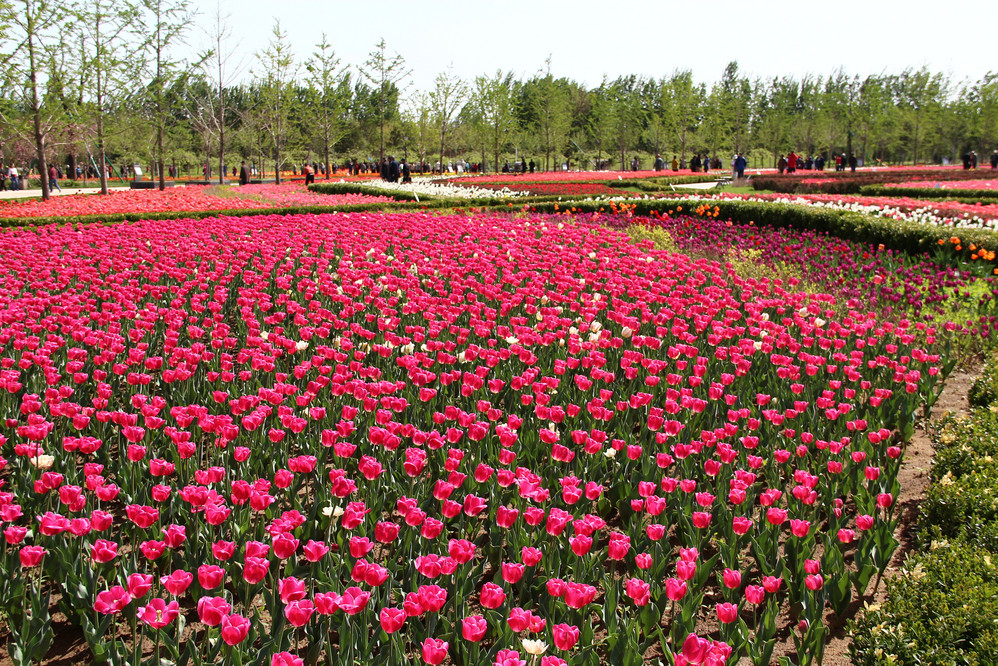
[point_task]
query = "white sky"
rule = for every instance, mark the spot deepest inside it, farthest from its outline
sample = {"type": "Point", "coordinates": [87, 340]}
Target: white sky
{"type": "Point", "coordinates": [587, 39]}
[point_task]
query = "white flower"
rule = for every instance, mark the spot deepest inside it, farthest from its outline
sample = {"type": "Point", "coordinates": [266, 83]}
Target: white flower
{"type": "Point", "coordinates": [512, 340]}
{"type": "Point", "coordinates": [534, 647]}
{"type": "Point", "coordinates": [42, 461]}
{"type": "Point", "coordinates": [301, 345]}
{"type": "Point", "coordinates": [264, 335]}
{"type": "Point", "coordinates": [819, 322]}
{"type": "Point", "coordinates": [626, 332]}
{"type": "Point", "coordinates": [332, 512]}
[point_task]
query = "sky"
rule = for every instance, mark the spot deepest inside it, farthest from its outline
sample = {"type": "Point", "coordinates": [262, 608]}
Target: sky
{"type": "Point", "coordinates": [586, 39]}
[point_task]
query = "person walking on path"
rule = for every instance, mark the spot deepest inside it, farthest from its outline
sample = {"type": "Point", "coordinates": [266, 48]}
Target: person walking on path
{"type": "Point", "coordinates": [244, 174]}
{"type": "Point", "coordinates": [994, 160]}
{"type": "Point", "coordinates": [54, 179]}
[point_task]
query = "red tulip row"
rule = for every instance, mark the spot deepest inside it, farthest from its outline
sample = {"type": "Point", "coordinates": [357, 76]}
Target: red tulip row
{"type": "Point", "coordinates": [256, 438]}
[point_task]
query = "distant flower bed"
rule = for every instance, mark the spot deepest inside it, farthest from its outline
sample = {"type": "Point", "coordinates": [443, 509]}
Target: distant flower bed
{"type": "Point", "coordinates": [950, 185]}
{"type": "Point", "coordinates": [181, 199]}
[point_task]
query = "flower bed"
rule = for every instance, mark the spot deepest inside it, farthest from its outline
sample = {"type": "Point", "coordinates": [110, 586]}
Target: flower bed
{"type": "Point", "coordinates": [941, 213]}
{"type": "Point", "coordinates": [950, 184]}
{"type": "Point", "coordinates": [179, 199]}
{"type": "Point", "coordinates": [420, 436]}
{"type": "Point", "coordinates": [567, 189]}
{"type": "Point", "coordinates": [849, 182]}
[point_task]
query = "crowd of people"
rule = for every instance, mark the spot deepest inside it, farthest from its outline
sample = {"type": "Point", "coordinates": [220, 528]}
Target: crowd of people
{"type": "Point", "coordinates": [792, 162]}
{"type": "Point", "coordinates": [970, 160]}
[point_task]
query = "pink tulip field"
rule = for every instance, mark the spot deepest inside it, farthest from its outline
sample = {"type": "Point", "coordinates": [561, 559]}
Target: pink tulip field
{"type": "Point", "coordinates": [512, 439]}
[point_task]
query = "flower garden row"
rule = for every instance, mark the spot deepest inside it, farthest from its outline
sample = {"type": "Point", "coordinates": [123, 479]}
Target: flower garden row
{"type": "Point", "coordinates": [941, 607]}
{"type": "Point", "coordinates": [174, 199]}
{"type": "Point", "coordinates": [848, 182]}
{"type": "Point", "coordinates": [377, 438]}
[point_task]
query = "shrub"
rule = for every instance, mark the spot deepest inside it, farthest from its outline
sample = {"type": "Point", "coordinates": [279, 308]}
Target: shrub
{"type": "Point", "coordinates": [984, 390]}
{"type": "Point", "coordinates": [940, 610]}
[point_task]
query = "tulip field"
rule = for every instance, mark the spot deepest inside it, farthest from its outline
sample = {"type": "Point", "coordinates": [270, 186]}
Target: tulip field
{"type": "Point", "coordinates": [180, 199]}
{"type": "Point", "coordinates": [371, 438]}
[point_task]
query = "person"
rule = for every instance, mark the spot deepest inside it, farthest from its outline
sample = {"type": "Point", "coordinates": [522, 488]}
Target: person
{"type": "Point", "coordinates": [706, 163]}
{"type": "Point", "coordinates": [14, 178]}
{"type": "Point", "coordinates": [244, 174]}
{"type": "Point", "coordinates": [973, 159]}
{"type": "Point", "coordinates": [792, 162]}
{"type": "Point", "coordinates": [781, 164]}
{"type": "Point", "coordinates": [994, 160]}
{"type": "Point", "coordinates": [406, 173]}
{"type": "Point", "coordinates": [740, 164]}
{"type": "Point", "coordinates": [3, 177]}
{"type": "Point", "coordinates": [393, 170]}
{"type": "Point", "coordinates": [659, 162]}
{"type": "Point", "coordinates": [695, 163]}
{"type": "Point", "coordinates": [532, 165]}
{"type": "Point", "coordinates": [54, 178]}
{"type": "Point", "coordinates": [819, 162]}
{"type": "Point", "coordinates": [309, 174]}
{"type": "Point", "coordinates": [852, 162]}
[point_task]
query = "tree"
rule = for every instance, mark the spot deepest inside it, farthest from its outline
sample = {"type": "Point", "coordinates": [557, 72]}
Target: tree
{"type": "Point", "coordinates": [34, 29]}
{"type": "Point", "coordinates": [419, 127]}
{"type": "Point", "coordinates": [627, 114]}
{"type": "Point", "coordinates": [106, 26]}
{"type": "Point", "coordinates": [685, 109]}
{"type": "Point", "coordinates": [164, 25]}
{"type": "Point", "coordinates": [492, 100]}
{"type": "Point", "coordinates": [279, 69]}
{"type": "Point", "coordinates": [548, 102]}
{"type": "Point", "coordinates": [447, 97]}
{"type": "Point", "coordinates": [919, 93]}
{"type": "Point", "coordinates": [386, 75]}
{"type": "Point", "coordinates": [600, 121]}
{"type": "Point", "coordinates": [221, 69]}
{"type": "Point", "coordinates": [329, 89]}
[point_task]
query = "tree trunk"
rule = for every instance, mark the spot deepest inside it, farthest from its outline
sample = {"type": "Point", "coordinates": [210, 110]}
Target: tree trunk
{"type": "Point", "coordinates": [36, 111]}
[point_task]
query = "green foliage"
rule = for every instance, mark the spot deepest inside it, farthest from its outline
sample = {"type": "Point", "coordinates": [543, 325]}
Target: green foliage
{"type": "Point", "coordinates": [657, 237]}
{"type": "Point", "coordinates": [940, 610]}
{"type": "Point", "coordinates": [984, 390]}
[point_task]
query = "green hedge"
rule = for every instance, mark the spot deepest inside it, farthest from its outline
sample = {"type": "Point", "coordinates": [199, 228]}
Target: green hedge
{"type": "Point", "coordinates": [984, 390]}
{"type": "Point", "coordinates": [660, 183]}
{"type": "Point", "coordinates": [364, 188]}
{"type": "Point", "coordinates": [910, 237]}
{"type": "Point", "coordinates": [940, 610]}
{"type": "Point", "coordinates": [983, 196]}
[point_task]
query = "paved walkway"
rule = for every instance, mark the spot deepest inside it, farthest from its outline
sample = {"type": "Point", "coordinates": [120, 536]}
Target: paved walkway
{"type": "Point", "coordinates": [27, 194]}
{"type": "Point", "coordinates": [697, 186]}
